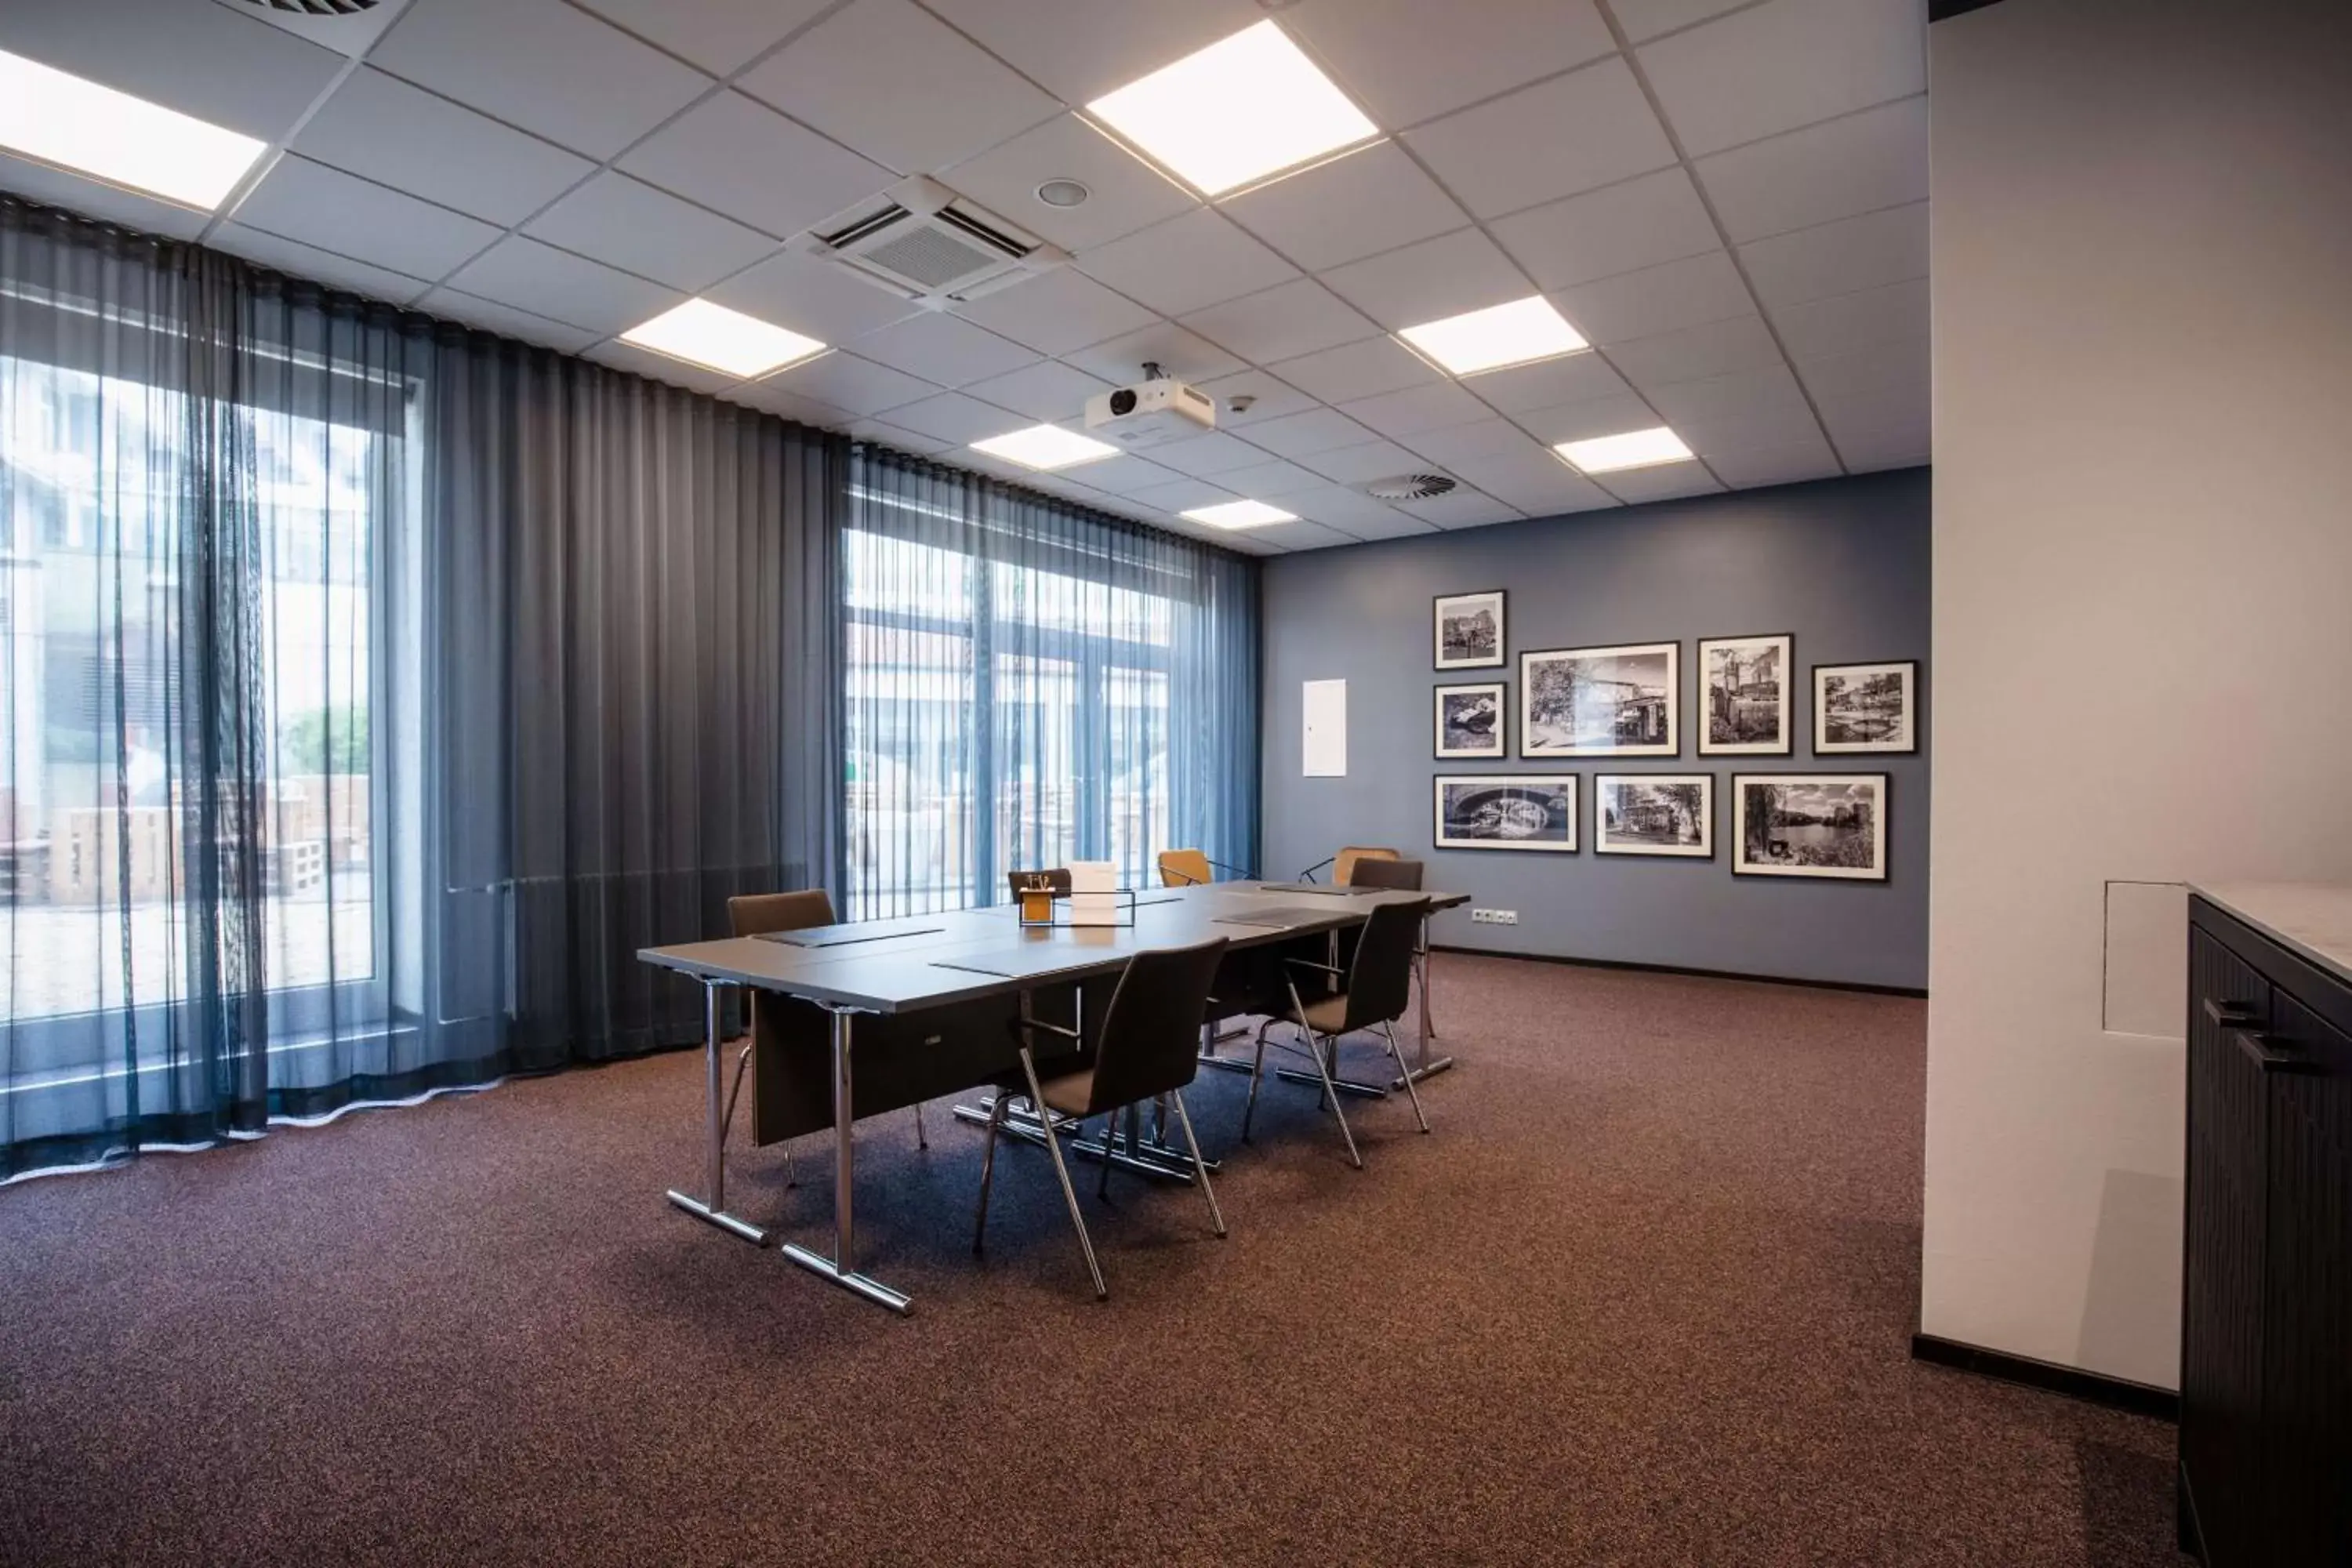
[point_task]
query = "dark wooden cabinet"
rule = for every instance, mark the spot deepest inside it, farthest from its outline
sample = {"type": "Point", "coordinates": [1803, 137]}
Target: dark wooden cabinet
{"type": "Point", "coordinates": [2266, 1309]}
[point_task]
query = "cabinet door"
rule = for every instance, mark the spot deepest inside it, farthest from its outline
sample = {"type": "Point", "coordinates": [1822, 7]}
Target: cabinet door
{"type": "Point", "coordinates": [2307, 1338]}
{"type": "Point", "coordinates": [2223, 1273]}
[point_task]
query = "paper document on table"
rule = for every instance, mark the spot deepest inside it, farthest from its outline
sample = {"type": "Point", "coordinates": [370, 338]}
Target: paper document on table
{"type": "Point", "coordinates": [1094, 886]}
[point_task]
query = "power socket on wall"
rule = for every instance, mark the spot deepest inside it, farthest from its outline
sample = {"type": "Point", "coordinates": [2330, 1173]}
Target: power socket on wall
{"type": "Point", "coordinates": [1496, 917]}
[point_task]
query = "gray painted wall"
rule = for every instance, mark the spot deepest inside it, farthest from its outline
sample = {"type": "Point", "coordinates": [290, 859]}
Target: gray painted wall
{"type": "Point", "coordinates": [1842, 565]}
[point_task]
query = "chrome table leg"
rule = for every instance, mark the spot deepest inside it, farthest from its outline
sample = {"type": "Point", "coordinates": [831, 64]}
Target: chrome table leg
{"type": "Point", "coordinates": [712, 1209]}
{"type": "Point", "coordinates": [842, 1267]}
{"type": "Point", "coordinates": [1423, 1066]}
{"type": "Point", "coordinates": [1144, 1159]}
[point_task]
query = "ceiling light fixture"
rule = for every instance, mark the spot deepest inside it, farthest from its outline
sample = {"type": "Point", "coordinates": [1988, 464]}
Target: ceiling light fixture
{"type": "Point", "coordinates": [1517, 333]}
{"type": "Point", "coordinates": [1045, 447]}
{"type": "Point", "coordinates": [717, 338]}
{"type": "Point", "coordinates": [1239, 514]}
{"type": "Point", "coordinates": [86, 129]}
{"type": "Point", "coordinates": [1235, 113]}
{"type": "Point", "coordinates": [1064, 193]}
{"type": "Point", "coordinates": [1634, 449]}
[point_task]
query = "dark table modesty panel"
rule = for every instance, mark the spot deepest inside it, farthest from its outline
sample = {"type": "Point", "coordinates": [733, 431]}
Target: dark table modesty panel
{"type": "Point", "coordinates": [926, 1004]}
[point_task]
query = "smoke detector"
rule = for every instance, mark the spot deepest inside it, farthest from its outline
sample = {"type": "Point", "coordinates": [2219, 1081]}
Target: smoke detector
{"type": "Point", "coordinates": [1408, 487]}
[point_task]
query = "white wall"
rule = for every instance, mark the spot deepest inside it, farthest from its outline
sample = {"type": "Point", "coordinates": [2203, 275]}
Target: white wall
{"type": "Point", "coordinates": [2142, 275]}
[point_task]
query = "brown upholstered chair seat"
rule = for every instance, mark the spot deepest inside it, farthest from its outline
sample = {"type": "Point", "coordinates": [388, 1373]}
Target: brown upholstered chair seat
{"type": "Point", "coordinates": [1072, 1094]}
{"type": "Point", "coordinates": [1328, 1017]}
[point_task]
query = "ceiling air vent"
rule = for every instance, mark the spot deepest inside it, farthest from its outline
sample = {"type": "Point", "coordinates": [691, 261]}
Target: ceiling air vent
{"type": "Point", "coordinates": [1408, 487]}
{"type": "Point", "coordinates": [316, 8]}
{"type": "Point", "coordinates": [922, 241]}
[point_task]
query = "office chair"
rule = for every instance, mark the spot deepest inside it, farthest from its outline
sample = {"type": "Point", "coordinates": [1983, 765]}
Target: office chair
{"type": "Point", "coordinates": [1344, 864]}
{"type": "Point", "coordinates": [1184, 869]}
{"type": "Point", "coordinates": [757, 914]}
{"type": "Point", "coordinates": [1378, 983]}
{"type": "Point", "coordinates": [1402, 876]}
{"type": "Point", "coordinates": [1148, 1047]}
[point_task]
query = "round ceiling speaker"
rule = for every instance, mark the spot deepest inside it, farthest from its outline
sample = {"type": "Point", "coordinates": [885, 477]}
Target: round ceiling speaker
{"type": "Point", "coordinates": [316, 8]}
{"type": "Point", "coordinates": [1063, 193]}
{"type": "Point", "coordinates": [1408, 487]}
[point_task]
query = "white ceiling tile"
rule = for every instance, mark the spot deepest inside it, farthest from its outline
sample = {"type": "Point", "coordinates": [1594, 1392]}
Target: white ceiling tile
{"type": "Point", "coordinates": [943, 349]}
{"type": "Point", "coordinates": [1849, 323]}
{"type": "Point", "coordinates": [1126, 474]}
{"type": "Point", "coordinates": [858, 386]}
{"type": "Point", "coordinates": [1369, 201]}
{"type": "Point", "coordinates": [1590, 128]}
{"type": "Point", "coordinates": [1304, 435]}
{"type": "Point", "coordinates": [350, 33]}
{"type": "Point", "coordinates": [1302, 535]}
{"type": "Point", "coordinates": [209, 61]}
{"type": "Point", "coordinates": [1856, 164]}
{"type": "Point", "coordinates": [551, 282]}
{"type": "Point", "coordinates": [1388, 523]}
{"type": "Point", "coordinates": [1056, 311]}
{"type": "Point", "coordinates": [1342, 507]}
{"type": "Point", "coordinates": [1462, 509]}
{"type": "Point", "coordinates": [1401, 70]}
{"type": "Point", "coordinates": [550, 68]}
{"type": "Point", "coordinates": [1658, 298]}
{"type": "Point", "coordinates": [1289, 319]}
{"type": "Point", "coordinates": [1127, 194]}
{"type": "Point", "coordinates": [1570, 378]}
{"type": "Point", "coordinates": [901, 87]}
{"type": "Point", "coordinates": [1270, 398]}
{"type": "Point", "coordinates": [815, 298]}
{"type": "Point", "coordinates": [720, 36]}
{"type": "Point", "coordinates": [627, 224]}
{"type": "Point", "coordinates": [1082, 50]}
{"type": "Point", "coordinates": [298, 260]}
{"type": "Point", "coordinates": [1187, 356]}
{"type": "Point", "coordinates": [381, 127]}
{"type": "Point", "coordinates": [1667, 481]}
{"type": "Point", "coordinates": [784, 404]}
{"type": "Point", "coordinates": [309, 202]}
{"type": "Point", "coordinates": [1867, 449]}
{"type": "Point", "coordinates": [1047, 391]}
{"type": "Point", "coordinates": [1618, 228]}
{"type": "Point", "coordinates": [1460, 443]}
{"type": "Point", "coordinates": [1265, 480]}
{"type": "Point", "coordinates": [472, 310]}
{"type": "Point", "coordinates": [953, 418]}
{"type": "Point", "coordinates": [1199, 258]}
{"type": "Point", "coordinates": [1533, 480]}
{"type": "Point", "coordinates": [1397, 414]}
{"type": "Point", "coordinates": [1886, 385]}
{"type": "Point", "coordinates": [661, 368]}
{"type": "Point", "coordinates": [1583, 421]}
{"type": "Point", "coordinates": [1775, 66]}
{"type": "Point", "coordinates": [1842, 258]}
{"type": "Point", "coordinates": [1647, 18]}
{"type": "Point", "coordinates": [1695, 353]}
{"type": "Point", "coordinates": [1429, 280]}
{"type": "Point", "coordinates": [1353, 465]}
{"type": "Point", "coordinates": [900, 438]}
{"type": "Point", "coordinates": [95, 198]}
{"type": "Point", "coordinates": [1180, 495]}
{"type": "Point", "coordinates": [1202, 457]}
{"type": "Point", "coordinates": [1357, 369]}
{"type": "Point", "coordinates": [1748, 408]}
{"type": "Point", "coordinates": [1756, 466]}
{"type": "Point", "coordinates": [745, 160]}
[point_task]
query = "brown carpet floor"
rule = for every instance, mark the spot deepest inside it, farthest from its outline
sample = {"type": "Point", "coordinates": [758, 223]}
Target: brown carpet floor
{"type": "Point", "coordinates": [1644, 1298]}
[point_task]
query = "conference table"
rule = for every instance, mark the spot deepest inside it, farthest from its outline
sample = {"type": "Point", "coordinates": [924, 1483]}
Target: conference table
{"type": "Point", "coordinates": [875, 1016]}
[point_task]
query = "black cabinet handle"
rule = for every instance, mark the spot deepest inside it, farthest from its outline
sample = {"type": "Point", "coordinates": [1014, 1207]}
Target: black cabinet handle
{"type": "Point", "coordinates": [2269, 1054]}
{"type": "Point", "coordinates": [2231, 1014]}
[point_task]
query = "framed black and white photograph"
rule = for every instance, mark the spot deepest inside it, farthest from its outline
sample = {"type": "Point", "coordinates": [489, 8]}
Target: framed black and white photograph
{"type": "Point", "coordinates": [1470, 721]}
{"type": "Point", "coordinates": [1866, 707]}
{"type": "Point", "coordinates": [1470, 630]}
{"type": "Point", "coordinates": [1600, 702]}
{"type": "Point", "coordinates": [1654, 814]}
{"type": "Point", "coordinates": [1809, 824]}
{"type": "Point", "coordinates": [1506, 811]}
{"type": "Point", "coordinates": [1744, 696]}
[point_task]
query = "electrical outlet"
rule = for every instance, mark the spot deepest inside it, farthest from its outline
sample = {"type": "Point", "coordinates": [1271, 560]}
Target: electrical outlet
{"type": "Point", "coordinates": [1494, 917]}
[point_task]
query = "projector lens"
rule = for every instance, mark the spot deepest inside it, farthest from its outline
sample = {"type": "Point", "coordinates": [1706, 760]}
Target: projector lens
{"type": "Point", "coordinates": [1122, 402]}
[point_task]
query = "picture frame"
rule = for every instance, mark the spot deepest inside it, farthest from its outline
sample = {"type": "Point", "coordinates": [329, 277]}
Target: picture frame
{"type": "Point", "coordinates": [1471, 722]}
{"type": "Point", "coordinates": [1467, 631]}
{"type": "Point", "coordinates": [1504, 811]}
{"type": "Point", "coordinates": [1654, 814]}
{"type": "Point", "coordinates": [1743, 696]}
{"type": "Point", "coordinates": [1827, 825]}
{"type": "Point", "coordinates": [1622, 700]}
{"type": "Point", "coordinates": [1866, 709]}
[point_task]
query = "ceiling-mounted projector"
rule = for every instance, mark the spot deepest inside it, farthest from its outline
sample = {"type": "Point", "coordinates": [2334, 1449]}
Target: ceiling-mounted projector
{"type": "Point", "coordinates": [1151, 413]}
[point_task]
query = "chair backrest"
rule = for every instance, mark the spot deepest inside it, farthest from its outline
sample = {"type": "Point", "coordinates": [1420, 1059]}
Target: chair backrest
{"type": "Point", "coordinates": [1184, 869]}
{"type": "Point", "coordinates": [1344, 864]}
{"type": "Point", "coordinates": [756, 914]}
{"type": "Point", "coordinates": [1057, 879]}
{"type": "Point", "coordinates": [1379, 978]}
{"type": "Point", "coordinates": [1402, 875]}
{"type": "Point", "coordinates": [1151, 1039]}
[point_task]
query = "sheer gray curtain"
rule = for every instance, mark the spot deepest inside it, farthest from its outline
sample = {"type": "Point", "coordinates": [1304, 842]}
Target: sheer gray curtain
{"type": "Point", "coordinates": [370, 691]}
{"type": "Point", "coordinates": [1029, 684]}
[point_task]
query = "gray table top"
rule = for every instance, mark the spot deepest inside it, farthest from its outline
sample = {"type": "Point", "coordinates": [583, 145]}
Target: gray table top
{"type": "Point", "coordinates": [898, 973]}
